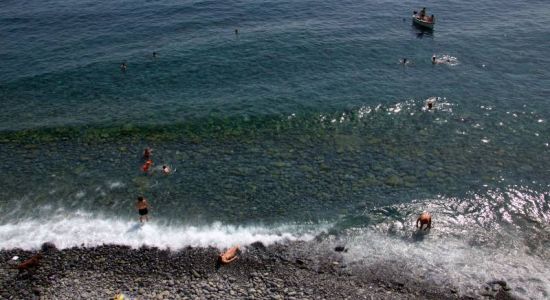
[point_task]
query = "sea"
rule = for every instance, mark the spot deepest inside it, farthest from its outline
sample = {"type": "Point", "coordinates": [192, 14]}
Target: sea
{"type": "Point", "coordinates": [284, 121]}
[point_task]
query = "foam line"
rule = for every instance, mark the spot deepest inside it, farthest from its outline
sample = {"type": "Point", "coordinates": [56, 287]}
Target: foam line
{"type": "Point", "coordinates": [88, 230]}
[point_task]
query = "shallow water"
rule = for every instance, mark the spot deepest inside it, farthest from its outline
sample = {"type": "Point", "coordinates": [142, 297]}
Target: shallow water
{"type": "Point", "coordinates": [303, 122]}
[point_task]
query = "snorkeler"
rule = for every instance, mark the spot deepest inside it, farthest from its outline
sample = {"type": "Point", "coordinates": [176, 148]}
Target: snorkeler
{"type": "Point", "coordinates": [424, 219]}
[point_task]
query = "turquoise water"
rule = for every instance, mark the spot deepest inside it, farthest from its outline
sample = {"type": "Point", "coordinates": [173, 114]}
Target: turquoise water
{"type": "Point", "coordinates": [304, 121]}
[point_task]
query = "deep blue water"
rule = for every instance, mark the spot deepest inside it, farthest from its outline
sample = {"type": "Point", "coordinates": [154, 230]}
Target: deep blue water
{"type": "Point", "coordinates": [303, 121]}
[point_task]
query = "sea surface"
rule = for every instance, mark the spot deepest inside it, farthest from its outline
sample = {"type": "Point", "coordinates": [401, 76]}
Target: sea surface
{"type": "Point", "coordinates": [302, 123]}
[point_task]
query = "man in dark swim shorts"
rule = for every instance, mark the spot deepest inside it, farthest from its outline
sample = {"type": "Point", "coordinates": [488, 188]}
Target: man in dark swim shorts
{"type": "Point", "coordinates": [143, 208]}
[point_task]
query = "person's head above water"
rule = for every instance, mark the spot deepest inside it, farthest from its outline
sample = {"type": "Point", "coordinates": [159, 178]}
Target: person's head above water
{"type": "Point", "coordinates": [140, 198]}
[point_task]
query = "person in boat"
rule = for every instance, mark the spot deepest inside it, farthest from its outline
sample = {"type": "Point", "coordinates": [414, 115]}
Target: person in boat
{"type": "Point", "coordinates": [434, 59]}
{"type": "Point", "coordinates": [422, 13]}
{"type": "Point", "coordinates": [143, 209]}
{"type": "Point", "coordinates": [431, 19]}
{"type": "Point", "coordinates": [430, 105]}
{"type": "Point", "coordinates": [229, 255]}
{"type": "Point", "coordinates": [424, 219]}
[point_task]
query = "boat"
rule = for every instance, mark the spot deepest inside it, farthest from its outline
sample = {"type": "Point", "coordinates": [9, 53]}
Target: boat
{"type": "Point", "coordinates": [426, 22]}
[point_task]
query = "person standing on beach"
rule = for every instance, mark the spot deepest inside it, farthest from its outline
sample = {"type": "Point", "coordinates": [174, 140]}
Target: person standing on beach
{"type": "Point", "coordinates": [143, 209]}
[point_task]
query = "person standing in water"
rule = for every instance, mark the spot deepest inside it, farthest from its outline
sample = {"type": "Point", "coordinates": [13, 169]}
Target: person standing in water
{"type": "Point", "coordinates": [424, 219]}
{"type": "Point", "coordinates": [146, 166]}
{"type": "Point", "coordinates": [147, 153]}
{"type": "Point", "coordinates": [143, 209]}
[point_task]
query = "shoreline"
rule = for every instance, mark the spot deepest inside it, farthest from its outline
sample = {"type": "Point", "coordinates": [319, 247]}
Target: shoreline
{"type": "Point", "coordinates": [278, 271]}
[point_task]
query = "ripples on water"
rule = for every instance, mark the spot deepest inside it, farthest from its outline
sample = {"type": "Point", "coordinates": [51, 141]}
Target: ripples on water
{"type": "Point", "coordinates": [302, 119]}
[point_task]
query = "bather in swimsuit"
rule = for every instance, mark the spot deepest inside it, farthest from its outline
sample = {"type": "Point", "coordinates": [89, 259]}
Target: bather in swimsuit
{"type": "Point", "coordinates": [142, 212]}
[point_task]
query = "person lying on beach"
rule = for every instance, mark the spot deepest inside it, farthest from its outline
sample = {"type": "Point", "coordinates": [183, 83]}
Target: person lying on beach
{"type": "Point", "coordinates": [30, 263]}
{"type": "Point", "coordinates": [424, 219]}
{"type": "Point", "coordinates": [229, 255]}
{"type": "Point", "coordinates": [143, 209]}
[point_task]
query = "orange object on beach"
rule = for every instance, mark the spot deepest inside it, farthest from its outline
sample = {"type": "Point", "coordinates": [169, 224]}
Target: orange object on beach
{"type": "Point", "coordinates": [147, 165]}
{"type": "Point", "coordinates": [229, 255]}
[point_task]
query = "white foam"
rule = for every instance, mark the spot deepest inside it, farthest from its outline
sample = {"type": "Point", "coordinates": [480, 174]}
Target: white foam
{"type": "Point", "coordinates": [84, 228]}
{"type": "Point", "coordinates": [115, 184]}
{"type": "Point", "coordinates": [448, 260]}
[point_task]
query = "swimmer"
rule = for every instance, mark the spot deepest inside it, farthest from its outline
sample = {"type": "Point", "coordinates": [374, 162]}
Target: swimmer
{"type": "Point", "coordinates": [229, 255]}
{"type": "Point", "coordinates": [154, 55]}
{"type": "Point", "coordinates": [123, 67]}
{"type": "Point", "coordinates": [236, 31]}
{"type": "Point", "coordinates": [146, 166]}
{"type": "Point", "coordinates": [147, 153]}
{"type": "Point", "coordinates": [430, 105]}
{"type": "Point", "coordinates": [166, 170]}
{"type": "Point", "coordinates": [424, 219]}
{"type": "Point", "coordinates": [404, 61]}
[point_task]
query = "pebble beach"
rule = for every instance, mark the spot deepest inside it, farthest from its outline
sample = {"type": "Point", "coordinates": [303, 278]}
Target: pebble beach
{"type": "Point", "coordinates": [280, 271]}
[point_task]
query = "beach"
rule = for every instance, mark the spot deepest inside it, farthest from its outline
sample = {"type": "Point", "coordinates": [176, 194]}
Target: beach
{"type": "Point", "coordinates": [280, 271]}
